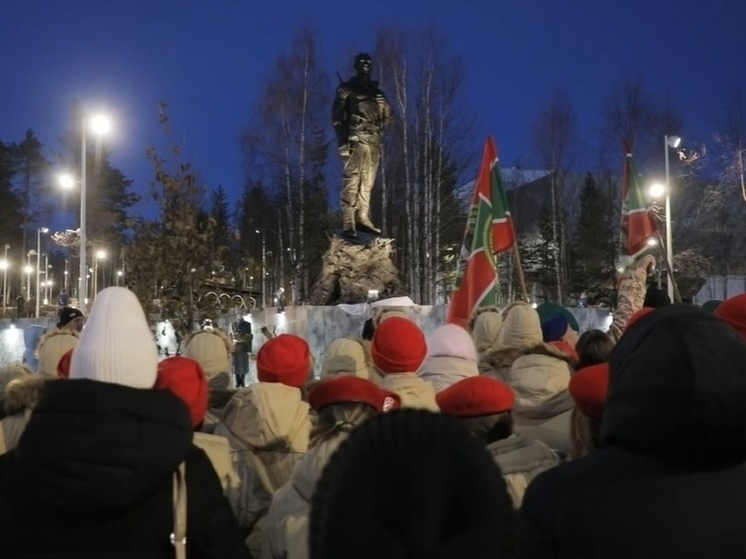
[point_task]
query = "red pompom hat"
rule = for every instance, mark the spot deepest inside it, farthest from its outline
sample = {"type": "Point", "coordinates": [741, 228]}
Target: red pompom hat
{"type": "Point", "coordinates": [185, 378]}
{"type": "Point", "coordinates": [475, 396]}
{"type": "Point", "coordinates": [398, 346]}
{"type": "Point", "coordinates": [733, 311]}
{"type": "Point", "coordinates": [285, 359]}
{"type": "Point", "coordinates": [349, 389]}
{"type": "Point", "coordinates": [588, 387]}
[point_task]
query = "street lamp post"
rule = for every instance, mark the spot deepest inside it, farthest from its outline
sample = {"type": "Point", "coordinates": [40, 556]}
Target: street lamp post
{"type": "Point", "coordinates": [28, 269]}
{"type": "Point", "coordinates": [264, 267]}
{"type": "Point", "coordinates": [100, 255]}
{"type": "Point", "coordinates": [46, 278]}
{"type": "Point", "coordinates": [99, 125]}
{"type": "Point", "coordinates": [39, 231]}
{"type": "Point", "coordinates": [6, 265]}
{"type": "Point", "coordinates": [669, 142]}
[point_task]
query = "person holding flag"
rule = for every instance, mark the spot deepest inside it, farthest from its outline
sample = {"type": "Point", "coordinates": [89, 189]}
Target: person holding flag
{"type": "Point", "coordinates": [489, 231]}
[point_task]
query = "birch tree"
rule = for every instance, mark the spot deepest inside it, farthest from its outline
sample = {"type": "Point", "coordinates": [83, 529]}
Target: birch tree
{"type": "Point", "coordinates": [554, 133]}
{"type": "Point", "coordinates": [425, 149]}
{"type": "Point", "coordinates": [286, 144]}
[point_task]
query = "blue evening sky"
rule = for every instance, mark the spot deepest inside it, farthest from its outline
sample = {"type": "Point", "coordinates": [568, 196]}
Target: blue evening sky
{"type": "Point", "coordinates": [208, 58]}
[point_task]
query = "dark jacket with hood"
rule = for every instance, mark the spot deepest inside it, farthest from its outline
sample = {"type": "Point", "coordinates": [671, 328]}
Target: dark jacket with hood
{"type": "Point", "coordinates": [92, 477]}
{"type": "Point", "coordinates": [672, 481]}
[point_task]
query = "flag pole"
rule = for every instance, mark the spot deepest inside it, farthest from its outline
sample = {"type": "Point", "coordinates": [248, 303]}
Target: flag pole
{"type": "Point", "coordinates": [518, 265]}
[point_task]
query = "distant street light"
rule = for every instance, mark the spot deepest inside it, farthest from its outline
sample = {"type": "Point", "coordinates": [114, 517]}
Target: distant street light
{"type": "Point", "coordinates": [100, 125]}
{"type": "Point", "coordinates": [120, 273]}
{"type": "Point", "coordinates": [652, 242]}
{"type": "Point", "coordinates": [39, 231]}
{"type": "Point", "coordinates": [669, 142]}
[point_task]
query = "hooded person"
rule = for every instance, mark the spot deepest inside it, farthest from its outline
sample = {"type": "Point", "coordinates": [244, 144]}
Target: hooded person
{"type": "Point", "coordinates": [93, 472]}
{"type": "Point", "coordinates": [342, 403]}
{"type": "Point", "coordinates": [539, 375]}
{"type": "Point", "coordinates": [20, 391]}
{"type": "Point", "coordinates": [483, 406]}
{"type": "Point", "coordinates": [674, 427]}
{"type": "Point", "coordinates": [185, 378]}
{"type": "Point", "coordinates": [451, 356]}
{"type": "Point", "coordinates": [484, 327]}
{"type": "Point", "coordinates": [398, 349]}
{"type": "Point", "coordinates": [212, 349]}
{"type": "Point", "coordinates": [411, 483]}
{"type": "Point", "coordinates": [268, 426]}
{"type": "Point", "coordinates": [56, 343]}
{"type": "Point", "coordinates": [347, 356]}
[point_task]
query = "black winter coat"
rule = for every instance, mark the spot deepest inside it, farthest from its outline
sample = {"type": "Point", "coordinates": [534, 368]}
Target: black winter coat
{"type": "Point", "coordinates": [92, 477]}
{"type": "Point", "coordinates": [672, 482]}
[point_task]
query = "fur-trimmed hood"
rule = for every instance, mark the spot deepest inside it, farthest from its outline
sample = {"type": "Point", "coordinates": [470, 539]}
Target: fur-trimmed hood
{"type": "Point", "coordinates": [499, 360]}
{"type": "Point", "coordinates": [52, 346]}
{"type": "Point", "coordinates": [540, 380]}
{"type": "Point", "coordinates": [24, 393]}
{"type": "Point", "coordinates": [211, 349]}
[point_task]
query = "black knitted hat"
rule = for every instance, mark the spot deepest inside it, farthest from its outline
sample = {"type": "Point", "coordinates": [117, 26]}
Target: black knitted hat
{"type": "Point", "coordinates": [411, 483]}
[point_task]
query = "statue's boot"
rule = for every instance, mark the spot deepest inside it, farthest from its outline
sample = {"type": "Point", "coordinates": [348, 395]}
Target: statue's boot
{"type": "Point", "coordinates": [364, 222]}
{"type": "Point", "coordinates": [348, 223]}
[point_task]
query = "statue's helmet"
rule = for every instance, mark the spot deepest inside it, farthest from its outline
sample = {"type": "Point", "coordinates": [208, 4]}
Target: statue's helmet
{"type": "Point", "coordinates": [363, 61]}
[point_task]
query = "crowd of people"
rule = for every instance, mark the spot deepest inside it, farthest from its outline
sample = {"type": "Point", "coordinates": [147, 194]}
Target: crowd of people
{"type": "Point", "coordinates": [511, 437]}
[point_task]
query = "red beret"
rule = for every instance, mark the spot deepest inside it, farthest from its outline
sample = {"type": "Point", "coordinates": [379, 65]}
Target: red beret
{"type": "Point", "coordinates": [63, 366]}
{"type": "Point", "coordinates": [567, 349]}
{"type": "Point", "coordinates": [285, 359]}
{"type": "Point", "coordinates": [185, 378]}
{"type": "Point", "coordinates": [475, 396]}
{"type": "Point", "coordinates": [398, 346]}
{"type": "Point", "coordinates": [643, 312]}
{"type": "Point", "coordinates": [733, 311]}
{"type": "Point", "coordinates": [588, 387]}
{"type": "Point", "coordinates": [349, 389]}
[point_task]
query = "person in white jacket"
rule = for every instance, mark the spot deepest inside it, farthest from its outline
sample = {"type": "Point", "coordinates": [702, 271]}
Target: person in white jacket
{"type": "Point", "coordinates": [342, 403]}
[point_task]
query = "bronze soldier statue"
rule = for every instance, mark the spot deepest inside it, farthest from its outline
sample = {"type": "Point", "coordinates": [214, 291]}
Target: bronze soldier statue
{"type": "Point", "coordinates": [359, 114]}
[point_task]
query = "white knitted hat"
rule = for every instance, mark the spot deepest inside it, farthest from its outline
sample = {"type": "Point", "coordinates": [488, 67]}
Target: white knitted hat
{"type": "Point", "coordinates": [116, 344]}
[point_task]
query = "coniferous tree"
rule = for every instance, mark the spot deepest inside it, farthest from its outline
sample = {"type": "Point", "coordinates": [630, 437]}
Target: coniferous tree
{"type": "Point", "coordinates": [171, 261]}
{"type": "Point", "coordinates": [31, 168]}
{"type": "Point", "coordinates": [593, 248]}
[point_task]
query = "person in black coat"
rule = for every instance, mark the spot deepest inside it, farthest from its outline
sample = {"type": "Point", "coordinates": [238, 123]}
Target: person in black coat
{"type": "Point", "coordinates": [671, 481]}
{"type": "Point", "coordinates": [92, 474]}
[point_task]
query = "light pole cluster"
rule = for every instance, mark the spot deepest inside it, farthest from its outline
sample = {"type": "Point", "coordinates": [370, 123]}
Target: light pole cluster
{"type": "Point", "coordinates": [99, 125]}
{"type": "Point", "coordinates": [657, 191]}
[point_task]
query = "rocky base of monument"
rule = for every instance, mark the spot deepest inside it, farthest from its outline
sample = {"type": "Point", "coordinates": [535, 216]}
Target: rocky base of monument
{"type": "Point", "coordinates": [352, 268]}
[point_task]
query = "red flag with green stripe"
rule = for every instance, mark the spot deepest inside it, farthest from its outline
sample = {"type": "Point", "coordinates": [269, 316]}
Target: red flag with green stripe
{"type": "Point", "coordinates": [639, 232]}
{"type": "Point", "coordinates": [489, 231]}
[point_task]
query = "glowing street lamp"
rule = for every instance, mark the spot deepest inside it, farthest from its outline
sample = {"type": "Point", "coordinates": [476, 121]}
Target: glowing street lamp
{"type": "Point", "coordinates": [99, 125]}
{"type": "Point", "coordinates": [66, 181]}
{"type": "Point", "coordinates": [657, 190]}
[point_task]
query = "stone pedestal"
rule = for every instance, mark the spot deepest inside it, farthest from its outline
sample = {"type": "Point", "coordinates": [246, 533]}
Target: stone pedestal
{"type": "Point", "coordinates": [354, 267]}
